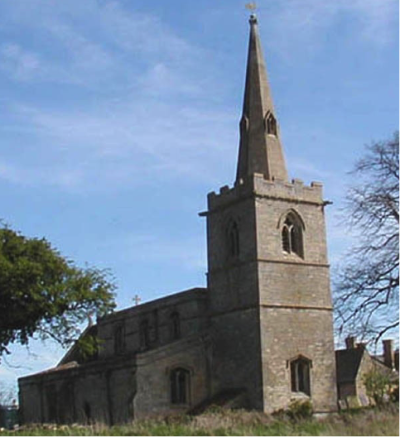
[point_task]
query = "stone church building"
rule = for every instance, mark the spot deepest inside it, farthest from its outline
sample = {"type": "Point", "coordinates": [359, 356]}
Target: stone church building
{"type": "Point", "coordinates": [260, 334]}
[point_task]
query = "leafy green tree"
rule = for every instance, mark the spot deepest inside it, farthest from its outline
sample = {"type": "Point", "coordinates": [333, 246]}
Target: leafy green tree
{"type": "Point", "coordinates": [367, 290]}
{"type": "Point", "coordinates": [44, 295]}
{"type": "Point", "coordinates": [377, 386]}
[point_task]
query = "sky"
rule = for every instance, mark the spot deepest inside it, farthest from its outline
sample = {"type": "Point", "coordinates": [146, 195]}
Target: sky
{"type": "Point", "coordinates": [119, 116]}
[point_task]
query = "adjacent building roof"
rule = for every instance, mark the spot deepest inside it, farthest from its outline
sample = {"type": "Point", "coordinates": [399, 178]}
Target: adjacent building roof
{"type": "Point", "coordinates": [347, 364]}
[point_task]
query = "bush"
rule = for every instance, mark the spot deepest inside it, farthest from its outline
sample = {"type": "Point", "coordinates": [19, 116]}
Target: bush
{"type": "Point", "coordinates": [300, 410]}
{"type": "Point", "coordinates": [377, 386]}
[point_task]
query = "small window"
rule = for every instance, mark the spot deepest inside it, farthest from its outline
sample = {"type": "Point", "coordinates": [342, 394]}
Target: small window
{"type": "Point", "coordinates": [300, 375]}
{"type": "Point", "coordinates": [175, 325]}
{"type": "Point", "coordinates": [154, 328]}
{"type": "Point", "coordinates": [88, 412]}
{"type": "Point", "coordinates": [270, 124]}
{"type": "Point", "coordinates": [244, 125]}
{"type": "Point", "coordinates": [292, 236]}
{"type": "Point", "coordinates": [233, 240]}
{"type": "Point", "coordinates": [144, 334]}
{"type": "Point", "coordinates": [119, 340]}
{"type": "Point", "coordinates": [180, 386]}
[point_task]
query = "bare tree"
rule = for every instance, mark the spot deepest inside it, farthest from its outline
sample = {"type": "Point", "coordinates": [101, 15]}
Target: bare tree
{"type": "Point", "coordinates": [8, 394]}
{"type": "Point", "coordinates": [367, 289]}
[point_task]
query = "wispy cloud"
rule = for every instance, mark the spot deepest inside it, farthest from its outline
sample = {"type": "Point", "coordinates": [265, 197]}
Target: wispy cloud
{"type": "Point", "coordinates": [184, 253]}
{"type": "Point", "coordinates": [308, 23]}
{"type": "Point", "coordinates": [19, 63]}
{"type": "Point", "coordinates": [121, 142]}
{"type": "Point", "coordinates": [91, 43]}
{"type": "Point", "coordinates": [134, 62]}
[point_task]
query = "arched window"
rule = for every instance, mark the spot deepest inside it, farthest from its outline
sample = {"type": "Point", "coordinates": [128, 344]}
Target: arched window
{"type": "Point", "coordinates": [292, 235]}
{"type": "Point", "coordinates": [233, 240]}
{"type": "Point", "coordinates": [270, 124]}
{"type": "Point", "coordinates": [180, 386]}
{"type": "Point", "coordinates": [175, 325]}
{"type": "Point", "coordinates": [300, 375]}
{"type": "Point", "coordinates": [144, 334]}
{"type": "Point", "coordinates": [119, 340]}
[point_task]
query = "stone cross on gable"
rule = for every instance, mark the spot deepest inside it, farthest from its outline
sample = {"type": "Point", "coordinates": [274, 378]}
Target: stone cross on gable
{"type": "Point", "coordinates": [137, 300]}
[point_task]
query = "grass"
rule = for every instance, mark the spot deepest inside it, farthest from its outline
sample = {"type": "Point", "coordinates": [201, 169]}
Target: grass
{"type": "Point", "coordinates": [374, 422]}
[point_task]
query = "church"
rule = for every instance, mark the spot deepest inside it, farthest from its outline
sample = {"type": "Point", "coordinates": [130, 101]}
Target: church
{"type": "Point", "coordinates": [258, 337]}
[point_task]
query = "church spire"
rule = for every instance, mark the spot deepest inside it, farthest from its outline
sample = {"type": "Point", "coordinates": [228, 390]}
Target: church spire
{"type": "Point", "coordinates": [260, 149]}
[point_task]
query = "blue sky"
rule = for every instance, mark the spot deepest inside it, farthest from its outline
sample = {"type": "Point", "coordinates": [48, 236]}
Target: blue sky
{"type": "Point", "coordinates": [118, 117]}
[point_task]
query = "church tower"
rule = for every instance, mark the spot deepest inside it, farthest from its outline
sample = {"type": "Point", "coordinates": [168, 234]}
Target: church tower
{"type": "Point", "coordinates": [268, 272]}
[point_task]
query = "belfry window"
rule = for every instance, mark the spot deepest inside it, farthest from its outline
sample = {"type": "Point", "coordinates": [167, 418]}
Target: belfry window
{"type": "Point", "coordinates": [292, 236]}
{"type": "Point", "coordinates": [175, 325]}
{"type": "Point", "coordinates": [233, 240]}
{"type": "Point", "coordinates": [300, 375]}
{"type": "Point", "coordinates": [270, 124]}
{"type": "Point", "coordinates": [180, 386]}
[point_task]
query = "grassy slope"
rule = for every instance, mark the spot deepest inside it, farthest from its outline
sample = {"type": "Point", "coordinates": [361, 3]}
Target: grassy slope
{"type": "Point", "coordinates": [368, 422]}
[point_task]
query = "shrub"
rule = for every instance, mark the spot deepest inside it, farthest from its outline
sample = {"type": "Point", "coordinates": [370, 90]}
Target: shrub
{"type": "Point", "coordinates": [299, 409]}
{"type": "Point", "coordinates": [377, 386]}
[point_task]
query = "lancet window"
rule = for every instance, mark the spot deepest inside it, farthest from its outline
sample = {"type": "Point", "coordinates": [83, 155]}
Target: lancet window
{"type": "Point", "coordinates": [300, 375]}
{"type": "Point", "coordinates": [144, 334]}
{"type": "Point", "coordinates": [270, 124]}
{"type": "Point", "coordinates": [292, 235]}
{"type": "Point", "coordinates": [180, 386]}
{"type": "Point", "coordinates": [233, 242]}
{"type": "Point", "coordinates": [119, 340]}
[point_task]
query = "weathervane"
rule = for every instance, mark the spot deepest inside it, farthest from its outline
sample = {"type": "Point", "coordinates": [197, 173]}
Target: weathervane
{"type": "Point", "coordinates": [251, 6]}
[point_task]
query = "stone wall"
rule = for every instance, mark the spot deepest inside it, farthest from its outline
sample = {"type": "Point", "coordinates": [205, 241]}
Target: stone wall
{"type": "Point", "coordinates": [99, 392]}
{"type": "Point", "coordinates": [295, 297]}
{"type": "Point", "coordinates": [287, 333]}
{"type": "Point", "coordinates": [153, 396]}
{"type": "Point", "coordinates": [190, 304]}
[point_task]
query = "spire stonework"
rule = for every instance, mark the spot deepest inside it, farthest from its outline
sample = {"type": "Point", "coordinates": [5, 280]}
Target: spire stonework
{"type": "Point", "coordinates": [260, 149]}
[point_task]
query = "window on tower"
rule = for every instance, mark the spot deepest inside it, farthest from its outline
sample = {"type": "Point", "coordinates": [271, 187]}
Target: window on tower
{"type": "Point", "coordinates": [270, 124]}
{"type": "Point", "coordinates": [292, 235]}
{"type": "Point", "coordinates": [300, 375]}
{"type": "Point", "coordinates": [233, 240]}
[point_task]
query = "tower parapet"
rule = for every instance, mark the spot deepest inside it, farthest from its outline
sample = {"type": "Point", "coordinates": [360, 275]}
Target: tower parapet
{"type": "Point", "coordinates": [258, 186]}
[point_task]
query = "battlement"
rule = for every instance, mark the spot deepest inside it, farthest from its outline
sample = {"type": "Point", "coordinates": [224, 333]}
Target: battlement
{"type": "Point", "coordinates": [258, 186]}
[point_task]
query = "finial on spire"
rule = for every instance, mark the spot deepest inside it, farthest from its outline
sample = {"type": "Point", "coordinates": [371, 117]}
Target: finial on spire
{"type": "Point", "coordinates": [252, 7]}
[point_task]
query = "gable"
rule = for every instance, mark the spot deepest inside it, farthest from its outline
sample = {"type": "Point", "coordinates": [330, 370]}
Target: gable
{"type": "Point", "coordinates": [347, 364]}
